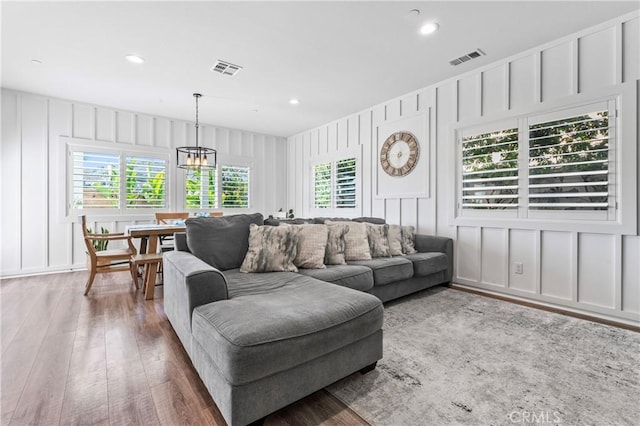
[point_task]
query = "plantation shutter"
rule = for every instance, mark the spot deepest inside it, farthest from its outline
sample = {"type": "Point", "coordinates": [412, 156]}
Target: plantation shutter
{"type": "Point", "coordinates": [235, 186]}
{"type": "Point", "coordinates": [145, 182]}
{"type": "Point", "coordinates": [201, 189]}
{"type": "Point", "coordinates": [490, 170]}
{"type": "Point", "coordinates": [345, 185]}
{"type": "Point", "coordinates": [322, 185]}
{"type": "Point", "coordinates": [569, 162]}
{"type": "Point", "coordinates": [95, 180]}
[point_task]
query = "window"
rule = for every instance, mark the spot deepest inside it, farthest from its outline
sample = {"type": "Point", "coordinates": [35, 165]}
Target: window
{"type": "Point", "coordinates": [95, 180]}
{"type": "Point", "coordinates": [115, 181]}
{"type": "Point", "coordinates": [322, 186]}
{"type": "Point", "coordinates": [201, 190]}
{"type": "Point", "coordinates": [146, 182]}
{"type": "Point", "coordinates": [554, 165]}
{"type": "Point", "coordinates": [569, 163]}
{"type": "Point", "coordinates": [345, 186]}
{"type": "Point", "coordinates": [334, 184]}
{"type": "Point", "coordinates": [490, 170]}
{"type": "Point", "coordinates": [234, 187]}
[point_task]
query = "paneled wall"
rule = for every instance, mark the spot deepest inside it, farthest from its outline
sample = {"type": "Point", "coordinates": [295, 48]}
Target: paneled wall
{"type": "Point", "coordinates": [597, 273]}
{"type": "Point", "coordinates": [36, 233]}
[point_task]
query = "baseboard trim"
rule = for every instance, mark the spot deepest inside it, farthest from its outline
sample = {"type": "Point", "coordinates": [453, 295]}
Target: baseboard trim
{"type": "Point", "coordinates": [544, 307]}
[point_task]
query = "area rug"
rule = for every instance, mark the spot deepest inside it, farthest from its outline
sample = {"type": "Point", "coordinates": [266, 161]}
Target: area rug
{"type": "Point", "coordinates": [455, 358]}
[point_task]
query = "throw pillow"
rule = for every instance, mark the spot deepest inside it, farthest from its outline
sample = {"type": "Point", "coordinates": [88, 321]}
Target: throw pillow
{"type": "Point", "coordinates": [395, 240]}
{"type": "Point", "coordinates": [378, 240]}
{"type": "Point", "coordinates": [334, 253]}
{"type": "Point", "coordinates": [312, 244]}
{"type": "Point", "coordinates": [356, 241]}
{"type": "Point", "coordinates": [408, 245]}
{"type": "Point", "coordinates": [271, 249]}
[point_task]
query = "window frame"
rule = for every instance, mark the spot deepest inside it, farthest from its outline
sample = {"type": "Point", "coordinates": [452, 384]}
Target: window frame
{"type": "Point", "coordinates": [71, 145]}
{"type": "Point", "coordinates": [620, 218]}
{"type": "Point", "coordinates": [333, 209]}
{"type": "Point", "coordinates": [231, 161]}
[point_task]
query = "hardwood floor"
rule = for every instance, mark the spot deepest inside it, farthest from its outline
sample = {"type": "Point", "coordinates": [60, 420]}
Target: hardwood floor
{"type": "Point", "coordinates": [109, 358]}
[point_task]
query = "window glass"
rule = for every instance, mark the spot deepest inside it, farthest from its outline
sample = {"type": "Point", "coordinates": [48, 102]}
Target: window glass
{"type": "Point", "coordinates": [95, 180]}
{"type": "Point", "coordinates": [490, 170]}
{"type": "Point", "coordinates": [569, 163]}
{"type": "Point", "coordinates": [322, 185]}
{"type": "Point", "coordinates": [145, 182]}
{"type": "Point", "coordinates": [234, 188]}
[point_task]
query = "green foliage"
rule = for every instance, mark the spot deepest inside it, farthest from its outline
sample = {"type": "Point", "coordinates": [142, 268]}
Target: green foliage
{"type": "Point", "coordinates": [322, 179]}
{"type": "Point", "coordinates": [100, 245]}
{"type": "Point", "coordinates": [199, 193]}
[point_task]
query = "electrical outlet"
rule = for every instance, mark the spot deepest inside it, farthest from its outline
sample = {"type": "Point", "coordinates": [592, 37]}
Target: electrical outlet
{"type": "Point", "coordinates": [517, 268]}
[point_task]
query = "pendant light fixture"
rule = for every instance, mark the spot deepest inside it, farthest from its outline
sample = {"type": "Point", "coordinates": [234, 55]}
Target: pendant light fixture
{"type": "Point", "coordinates": [196, 157]}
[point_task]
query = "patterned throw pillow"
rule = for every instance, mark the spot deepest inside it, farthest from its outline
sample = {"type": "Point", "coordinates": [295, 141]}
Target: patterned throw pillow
{"type": "Point", "coordinates": [408, 245]}
{"type": "Point", "coordinates": [334, 253]}
{"type": "Point", "coordinates": [356, 241]}
{"type": "Point", "coordinates": [395, 240]}
{"type": "Point", "coordinates": [312, 243]}
{"type": "Point", "coordinates": [378, 240]}
{"type": "Point", "coordinates": [271, 249]}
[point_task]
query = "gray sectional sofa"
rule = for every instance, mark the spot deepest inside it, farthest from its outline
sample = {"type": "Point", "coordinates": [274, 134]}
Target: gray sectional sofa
{"type": "Point", "coordinates": [261, 341]}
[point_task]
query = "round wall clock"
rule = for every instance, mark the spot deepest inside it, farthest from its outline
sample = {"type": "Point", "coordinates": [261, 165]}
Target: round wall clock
{"type": "Point", "coordinates": [399, 154]}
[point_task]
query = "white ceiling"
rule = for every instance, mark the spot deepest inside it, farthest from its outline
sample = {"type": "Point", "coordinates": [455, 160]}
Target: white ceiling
{"type": "Point", "coordinates": [336, 57]}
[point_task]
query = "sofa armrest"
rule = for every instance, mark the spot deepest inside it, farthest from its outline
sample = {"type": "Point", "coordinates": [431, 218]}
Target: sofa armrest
{"type": "Point", "coordinates": [188, 283]}
{"type": "Point", "coordinates": [431, 243]}
{"type": "Point", "coordinates": [180, 242]}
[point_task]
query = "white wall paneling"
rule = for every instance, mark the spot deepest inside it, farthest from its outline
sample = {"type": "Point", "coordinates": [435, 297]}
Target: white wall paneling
{"type": "Point", "coordinates": [594, 272]}
{"type": "Point", "coordinates": [36, 235]}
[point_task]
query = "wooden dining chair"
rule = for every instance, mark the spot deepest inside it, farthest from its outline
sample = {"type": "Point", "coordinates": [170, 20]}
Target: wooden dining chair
{"type": "Point", "coordinates": [111, 260]}
{"type": "Point", "coordinates": [166, 242]}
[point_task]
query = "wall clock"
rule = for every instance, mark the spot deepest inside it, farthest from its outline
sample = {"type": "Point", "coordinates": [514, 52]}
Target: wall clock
{"type": "Point", "coordinates": [399, 154]}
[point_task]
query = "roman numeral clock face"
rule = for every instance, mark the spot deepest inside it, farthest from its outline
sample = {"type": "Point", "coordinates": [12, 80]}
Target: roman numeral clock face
{"type": "Point", "coordinates": [399, 154]}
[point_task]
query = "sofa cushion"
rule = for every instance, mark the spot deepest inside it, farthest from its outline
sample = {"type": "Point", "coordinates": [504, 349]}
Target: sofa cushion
{"type": "Point", "coordinates": [356, 241]}
{"type": "Point", "coordinates": [296, 221]}
{"type": "Point", "coordinates": [378, 241]}
{"type": "Point", "coordinates": [222, 242]}
{"type": "Point", "coordinates": [353, 276]}
{"type": "Point", "coordinates": [387, 270]}
{"type": "Point", "coordinates": [293, 320]}
{"type": "Point", "coordinates": [334, 252]}
{"type": "Point", "coordinates": [425, 264]}
{"type": "Point", "coordinates": [271, 249]}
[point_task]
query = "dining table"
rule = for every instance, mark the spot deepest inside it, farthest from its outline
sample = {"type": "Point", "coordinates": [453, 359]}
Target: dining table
{"type": "Point", "coordinates": [149, 235]}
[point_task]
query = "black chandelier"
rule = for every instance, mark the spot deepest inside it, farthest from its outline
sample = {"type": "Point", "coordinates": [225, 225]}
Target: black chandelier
{"type": "Point", "coordinates": [196, 157]}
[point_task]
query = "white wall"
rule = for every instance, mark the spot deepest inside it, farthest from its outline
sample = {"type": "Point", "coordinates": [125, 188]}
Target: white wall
{"type": "Point", "coordinates": [596, 273]}
{"type": "Point", "coordinates": [35, 234]}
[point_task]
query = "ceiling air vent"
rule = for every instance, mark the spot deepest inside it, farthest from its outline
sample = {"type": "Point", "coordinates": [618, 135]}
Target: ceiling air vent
{"type": "Point", "coordinates": [226, 68]}
{"type": "Point", "coordinates": [469, 56]}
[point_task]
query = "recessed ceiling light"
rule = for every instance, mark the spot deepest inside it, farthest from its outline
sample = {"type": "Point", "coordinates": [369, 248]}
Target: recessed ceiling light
{"type": "Point", "coordinates": [429, 28]}
{"type": "Point", "coordinates": [294, 102]}
{"type": "Point", "coordinates": [36, 61]}
{"type": "Point", "coordinates": [135, 59]}
{"type": "Point", "coordinates": [413, 13]}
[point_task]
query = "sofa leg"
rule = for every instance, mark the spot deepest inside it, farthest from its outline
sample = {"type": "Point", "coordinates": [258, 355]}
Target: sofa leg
{"type": "Point", "coordinates": [368, 368]}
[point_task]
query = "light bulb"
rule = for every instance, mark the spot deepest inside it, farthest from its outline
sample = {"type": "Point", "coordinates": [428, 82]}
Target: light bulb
{"type": "Point", "coordinates": [189, 160]}
{"type": "Point", "coordinates": [204, 160]}
{"type": "Point", "coordinates": [197, 161]}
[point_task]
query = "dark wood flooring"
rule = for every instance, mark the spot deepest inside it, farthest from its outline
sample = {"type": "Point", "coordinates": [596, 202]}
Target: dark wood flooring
{"type": "Point", "coordinates": [109, 358]}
